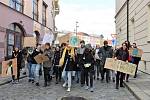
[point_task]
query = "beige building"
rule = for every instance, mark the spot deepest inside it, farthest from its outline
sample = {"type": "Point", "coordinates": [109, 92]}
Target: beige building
{"type": "Point", "coordinates": [139, 26]}
{"type": "Point", "coordinates": [20, 18]}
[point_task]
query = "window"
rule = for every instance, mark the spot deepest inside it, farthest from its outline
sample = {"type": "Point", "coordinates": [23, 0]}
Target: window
{"type": "Point", "coordinates": [17, 4]}
{"type": "Point", "coordinates": [14, 38]}
{"type": "Point", "coordinates": [35, 10]}
{"type": "Point", "coordinates": [44, 14]}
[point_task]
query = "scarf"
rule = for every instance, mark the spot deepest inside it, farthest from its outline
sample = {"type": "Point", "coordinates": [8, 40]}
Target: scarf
{"type": "Point", "coordinates": [72, 53]}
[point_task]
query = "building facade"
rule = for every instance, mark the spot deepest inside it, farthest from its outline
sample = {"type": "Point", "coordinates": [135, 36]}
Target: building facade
{"type": "Point", "coordinates": [138, 26]}
{"type": "Point", "coordinates": [21, 18]}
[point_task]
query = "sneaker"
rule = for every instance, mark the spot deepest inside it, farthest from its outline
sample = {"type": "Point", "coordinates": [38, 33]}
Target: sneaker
{"type": "Point", "coordinates": [45, 84]}
{"type": "Point", "coordinates": [37, 84]}
{"type": "Point", "coordinates": [117, 87]}
{"type": "Point", "coordinates": [113, 79]}
{"type": "Point", "coordinates": [32, 81]}
{"type": "Point", "coordinates": [91, 89]}
{"type": "Point", "coordinates": [17, 82]}
{"type": "Point", "coordinates": [77, 80]}
{"type": "Point", "coordinates": [13, 82]}
{"type": "Point", "coordinates": [68, 90]}
{"type": "Point", "coordinates": [122, 85]}
{"type": "Point", "coordinates": [29, 80]}
{"type": "Point", "coordinates": [64, 85]}
{"type": "Point", "coordinates": [82, 85]}
{"type": "Point", "coordinates": [86, 87]}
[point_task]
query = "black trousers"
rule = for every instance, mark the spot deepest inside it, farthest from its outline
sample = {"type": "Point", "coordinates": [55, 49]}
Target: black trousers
{"type": "Point", "coordinates": [18, 70]}
{"type": "Point", "coordinates": [82, 79]}
{"type": "Point", "coordinates": [98, 69]}
{"type": "Point", "coordinates": [119, 78]}
{"type": "Point", "coordinates": [88, 74]}
{"type": "Point", "coordinates": [103, 71]}
{"type": "Point", "coordinates": [58, 72]}
{"type": "Point", "coordinates": [47, 76]}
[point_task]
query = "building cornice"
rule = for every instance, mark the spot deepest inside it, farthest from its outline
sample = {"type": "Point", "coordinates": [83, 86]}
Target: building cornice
{"type": "Point", "coordinates": [120, 9]}
{"type": "Point", "coordinates": [25, 15]}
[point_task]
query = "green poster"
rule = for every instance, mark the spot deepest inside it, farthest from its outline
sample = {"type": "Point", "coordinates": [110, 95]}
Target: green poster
{"type": "Point", "coordinates": [74, 41]}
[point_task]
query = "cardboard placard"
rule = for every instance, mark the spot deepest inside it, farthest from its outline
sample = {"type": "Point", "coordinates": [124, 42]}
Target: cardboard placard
{"type": "Point", "coordinates": [41, 58]}
{"type": "Point", "coordinates": [136, 52]}
{"type": "Point", "coordinates": [7, 70]}
{"type": "Point", "coordinates": [120, 66]}
{"type": "Point", "coordinates": [29, 42]}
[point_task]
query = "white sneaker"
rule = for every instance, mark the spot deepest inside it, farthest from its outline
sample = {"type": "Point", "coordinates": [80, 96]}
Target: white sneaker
{"type": "Point", "coordinates": [68, 90]}
{"type": "Point", "coordinates": [86, 87]}
{"type": "Point", "coordinates": [92, 89]}
{"type": "Point", "coordinates": [64, 85]}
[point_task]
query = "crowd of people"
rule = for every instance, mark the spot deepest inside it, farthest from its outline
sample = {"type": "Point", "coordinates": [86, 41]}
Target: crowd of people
{"type": "Point", "coordinates": [83, 64]}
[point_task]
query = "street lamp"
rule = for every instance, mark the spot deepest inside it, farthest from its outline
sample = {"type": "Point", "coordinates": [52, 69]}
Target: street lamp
{"type": "Point", "coordinates": [127, 20]}
{"type": "Point", "coordinates": [76, 30]}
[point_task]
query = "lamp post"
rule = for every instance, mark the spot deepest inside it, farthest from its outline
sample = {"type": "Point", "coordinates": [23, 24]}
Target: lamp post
{"type": "Point", "coordinates": [76, 30]}
{"type": "Point", "coordinates": [127, 20]}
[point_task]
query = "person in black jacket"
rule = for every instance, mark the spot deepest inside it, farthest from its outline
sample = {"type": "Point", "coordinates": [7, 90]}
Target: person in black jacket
{"type": "Point", "coordinates": [17, 54]}
{"type": "Point", "coordinates": [121, 54]}
{"type": "Point", "coordinates": [105, 52]}
{"type": "Point", "coordinates": [69, 60]}
{"type": "Point", "coordinates": [57, 68]}
{"type": "Point", "coordinates": [88, 59]}
{"type": "Point", "coordinates": [80, 64]}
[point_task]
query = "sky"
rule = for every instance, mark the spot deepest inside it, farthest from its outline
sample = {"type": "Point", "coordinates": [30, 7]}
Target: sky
{"type": "Point", "coordinates": [94, 16]}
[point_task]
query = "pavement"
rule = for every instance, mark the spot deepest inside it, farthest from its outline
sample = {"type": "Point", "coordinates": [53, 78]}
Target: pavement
{"type": "Point", "coordinates": [140, 86]}
{"type": "Point", "coordinates": [28, 91]}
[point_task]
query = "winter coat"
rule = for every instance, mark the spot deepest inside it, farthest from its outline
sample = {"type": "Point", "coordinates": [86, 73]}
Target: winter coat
{"type": "Point", "coordinates": [19, 57]}
{"type": "Point", "coordinates": [57, 56]}
{"type": "Point", "coordinates": [122, 54]}
{"type": "Point", "coordinates": [88, 58]}
{"type": "Point", "coordinates": [50, 54]}
{"type": "Point", "coordinates": [80, 52]}
{"type": "Point", "coordinates": [69, 62]}
{"type": "Point", "coordinates": [35, 53]}
{"type": "Point", "coordinates": [105, 52]}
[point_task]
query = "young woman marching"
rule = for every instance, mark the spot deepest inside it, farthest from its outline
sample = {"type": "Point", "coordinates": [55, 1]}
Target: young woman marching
{"type": "Point", "coordinates": [121, 54]}
{"type": "Point", "coordinates": [88, 58]}
{"type": "Point", "coordinates": [69, 58]}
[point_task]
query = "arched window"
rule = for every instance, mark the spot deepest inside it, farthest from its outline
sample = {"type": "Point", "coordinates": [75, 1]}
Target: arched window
{"type": "Point", "coordinates": [14, 37]}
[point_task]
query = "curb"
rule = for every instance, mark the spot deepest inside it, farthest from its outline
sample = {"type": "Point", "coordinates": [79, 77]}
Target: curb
{"type": "Point", "coordinates": [132, 92]}
{"type": "Point", "coordinates": [7, 82]}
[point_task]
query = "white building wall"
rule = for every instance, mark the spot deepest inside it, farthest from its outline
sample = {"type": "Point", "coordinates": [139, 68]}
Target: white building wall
{"type": "Point", "coordinates": [139, 26]}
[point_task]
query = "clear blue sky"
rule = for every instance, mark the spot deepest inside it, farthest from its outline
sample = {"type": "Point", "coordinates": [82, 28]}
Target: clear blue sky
{"type": "Point", "coordinates": [94, 16]}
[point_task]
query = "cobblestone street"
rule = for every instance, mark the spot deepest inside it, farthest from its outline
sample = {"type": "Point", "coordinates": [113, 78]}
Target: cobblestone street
{"type": "Point", "coordinates": [28, 91]}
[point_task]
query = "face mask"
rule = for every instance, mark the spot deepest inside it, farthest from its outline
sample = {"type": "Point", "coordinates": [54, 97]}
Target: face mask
{"type": "Point", "coordinates": [106, 45]}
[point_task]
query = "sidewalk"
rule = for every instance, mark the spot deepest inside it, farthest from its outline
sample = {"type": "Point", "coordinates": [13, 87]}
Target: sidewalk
{"type": "Point", "coordinates": [140, 87]}
{"type": "Point", "coordinates": [7, 80]}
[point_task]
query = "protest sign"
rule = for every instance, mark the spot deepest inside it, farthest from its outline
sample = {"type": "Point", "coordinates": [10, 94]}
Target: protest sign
{"type": "Point", "coordinates": [41, 58]}
{"type": "Point", "coordinates": [136, 52]}
{"type": "Point", "coordinates": [29, 42]}
{"type": "Point", "coordinates": [9, 68]}
{"type": "Point", "coordinates": [74, 41]}
{"type": "Point", "coordinates": [48, 38]}
{"type": "Point", "coordinates": [120, 66]}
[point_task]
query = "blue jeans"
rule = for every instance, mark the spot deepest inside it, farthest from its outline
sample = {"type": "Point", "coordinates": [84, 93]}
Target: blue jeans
{"type": "Point", "coordinates": [66, 75]}
{"type": "Point", "coordinates": [35, 72]}
{"type": "Point", "coordinates": [29, 70]}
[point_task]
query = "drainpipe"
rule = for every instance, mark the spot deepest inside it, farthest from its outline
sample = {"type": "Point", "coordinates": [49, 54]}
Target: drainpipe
{"type": "Point", "coordinates": [127, 20]}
